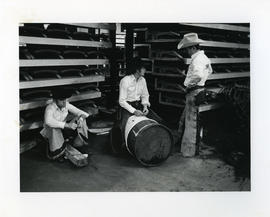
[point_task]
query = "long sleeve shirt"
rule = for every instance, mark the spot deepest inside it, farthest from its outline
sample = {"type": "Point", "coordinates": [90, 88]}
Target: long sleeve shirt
{"type": "Point", "coordinates": [131, 90]}
{"type": "Point", "coordinates": [55, 117]}
{"type": "Point", "coordinates": [199, 70]}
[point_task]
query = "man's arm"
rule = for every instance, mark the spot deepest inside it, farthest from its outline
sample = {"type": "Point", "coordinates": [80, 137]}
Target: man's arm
{"type": "Point", "coordinates": [51, 121]}
{"type": "Point", "coordinates": [145, 94]}
{"type": "Point", "coordinates": [145, 98]}
{"type": "Point", "coordinates": [123, 97]}
{"type": "Point", "coordinates": [196, 74]}
{"type": "Point", "coordinates": [76, 111]}
{"type": "Point", "coordinates": [193, 81]}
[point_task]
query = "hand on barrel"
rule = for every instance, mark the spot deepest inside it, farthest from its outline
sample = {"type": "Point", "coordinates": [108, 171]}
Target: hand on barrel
{"type": "Point", "coordinates": [138, 113]}
{"type": "Point", "coordinates": [142, 113]}
{"type": "Point", "coordinates": [145, 110]}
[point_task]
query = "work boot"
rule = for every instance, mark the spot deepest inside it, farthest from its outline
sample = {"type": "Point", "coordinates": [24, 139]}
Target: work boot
{"type": "Point", "coordinates": [61, 159]}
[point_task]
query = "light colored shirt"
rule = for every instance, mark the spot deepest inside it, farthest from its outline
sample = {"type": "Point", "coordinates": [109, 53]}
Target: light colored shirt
{"type": "Point", "coordinates": [131, 90]}
{"type": "Point", "coordinates": [55, 117]}
{"type": "Point", "coordinates": [198, 70]}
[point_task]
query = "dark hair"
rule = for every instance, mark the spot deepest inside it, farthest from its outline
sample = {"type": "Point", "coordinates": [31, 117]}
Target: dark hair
{"type": "Point", "coordinates": [61, 93]}
{"type": "Point", "coordinates": [136, 64]}
{"type": "Point", "coordinates": [197, 46]}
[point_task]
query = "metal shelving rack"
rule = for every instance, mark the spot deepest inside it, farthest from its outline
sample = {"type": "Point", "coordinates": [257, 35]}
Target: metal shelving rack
{"type": "Point", "coordinates": [32, 104]}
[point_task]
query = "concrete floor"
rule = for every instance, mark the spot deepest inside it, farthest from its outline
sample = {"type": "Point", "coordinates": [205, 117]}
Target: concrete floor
{"type": "Point", "coordinates": [106, 172]}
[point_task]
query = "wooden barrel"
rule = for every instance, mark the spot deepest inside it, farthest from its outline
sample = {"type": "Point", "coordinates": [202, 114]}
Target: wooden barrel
{"type": "Point", "coordinates": [147, 140]}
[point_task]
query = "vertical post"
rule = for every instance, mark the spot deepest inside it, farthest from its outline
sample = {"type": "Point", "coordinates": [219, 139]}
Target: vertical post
{"type": "Point", "coordinates": [113, 69]}
{"type": "Point", "coordinates": [129, 45]}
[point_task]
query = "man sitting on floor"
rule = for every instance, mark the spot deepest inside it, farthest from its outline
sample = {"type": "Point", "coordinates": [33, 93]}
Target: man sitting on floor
{"type": "Point", "coordinates": [56, 125]}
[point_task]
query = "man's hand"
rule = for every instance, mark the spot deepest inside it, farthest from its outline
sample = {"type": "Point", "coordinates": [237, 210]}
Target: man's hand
{"type": "Point", "coordinates": [80, 121]}
{"type": "Point", "coordinates": [145, 110]}
{"type": "Point", "coordinates": [85, 116]}
{"type": "Point", "coordinates": [71, 126]}
{"type": "Point", "coordinates": [138, 113]}
{"type": "Point", "coordinates": [180, 87]}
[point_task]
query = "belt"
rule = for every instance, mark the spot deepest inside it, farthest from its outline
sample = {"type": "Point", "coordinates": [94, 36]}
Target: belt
{"type": "Point", "coordinates": [194, 88]}
{"type": "Point", "coordinates": [135, 104]}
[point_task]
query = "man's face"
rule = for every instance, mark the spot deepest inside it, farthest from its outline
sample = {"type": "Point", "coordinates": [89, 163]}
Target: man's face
{"type": "Point", "coordinates": [142, 71]}
{"type": "Point", "coordinates": [61, 103]}
{"type": "Point", "coordinates": [189, 51]}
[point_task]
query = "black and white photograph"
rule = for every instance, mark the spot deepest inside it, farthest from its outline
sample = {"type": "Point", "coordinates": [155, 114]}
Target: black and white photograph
{"type": "Point", "coordinates": [134, 108]}
{"type": "Point", "coordinates": [128, 107]}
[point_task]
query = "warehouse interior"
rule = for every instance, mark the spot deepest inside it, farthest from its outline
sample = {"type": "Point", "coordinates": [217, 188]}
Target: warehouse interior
{"type": "Point", "coordinates": [90, 59]}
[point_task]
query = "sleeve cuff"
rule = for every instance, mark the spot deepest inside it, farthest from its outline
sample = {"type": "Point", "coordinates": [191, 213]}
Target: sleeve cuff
{"type": "Point", "coordinates": [84, 115]}
{"type": "Point", "coordinates": [62, 125]}
{"type": "Point", "coordinates": [132, 110]}
{"type": "Point", "coordinates": [146, 103]}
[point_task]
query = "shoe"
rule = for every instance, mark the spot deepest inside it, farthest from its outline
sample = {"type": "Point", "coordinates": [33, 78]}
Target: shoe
{"type": "Point", "coordinates": [61, 159]}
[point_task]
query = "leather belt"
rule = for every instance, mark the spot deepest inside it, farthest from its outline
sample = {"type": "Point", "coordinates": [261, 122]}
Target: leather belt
{"type": "Point", "coordinates": [135, 104]}
{"type": "Point", "coordinates": [194, 88]}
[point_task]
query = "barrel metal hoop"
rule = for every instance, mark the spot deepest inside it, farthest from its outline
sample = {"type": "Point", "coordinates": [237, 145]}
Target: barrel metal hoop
{"type": "Point", "coordinates": [129, 150]}
{"type": "Point", "coordinates": [141, 129]}
{"type": "Point", "coordinates": [148, 126]}
{"type": "Point", "coordinates": [154, 123]}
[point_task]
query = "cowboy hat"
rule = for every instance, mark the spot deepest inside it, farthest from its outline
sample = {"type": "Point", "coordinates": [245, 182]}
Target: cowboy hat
{"type": "Point", "coordinates": [188, 40]}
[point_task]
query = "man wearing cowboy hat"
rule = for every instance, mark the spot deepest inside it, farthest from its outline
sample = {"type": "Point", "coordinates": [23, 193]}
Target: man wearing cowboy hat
{"type": "Point", "coordinates": [198, 72]}
{"type": "Point", "coordinates": [56, 125]}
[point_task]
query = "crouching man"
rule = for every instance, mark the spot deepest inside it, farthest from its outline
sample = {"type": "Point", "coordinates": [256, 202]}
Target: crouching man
{"type": "Point", "coordinates": [56, 127]}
